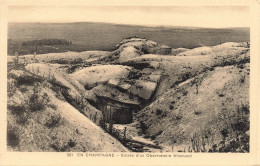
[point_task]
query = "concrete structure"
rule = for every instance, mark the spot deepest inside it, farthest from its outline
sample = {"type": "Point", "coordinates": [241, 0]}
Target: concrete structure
{"type": "Point", "coordinates": [117, 111]}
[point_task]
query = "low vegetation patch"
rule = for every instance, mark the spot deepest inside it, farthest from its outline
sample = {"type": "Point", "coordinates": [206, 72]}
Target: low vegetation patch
{"type": "Point", "coordinates": [37, 101]}
{"type": "Point", "coordinates": [13, 139]}
{"type": "Point", "coordinates": [235, 136]}
{"type": "Point", "coordinates": [21, 113]}
{"type": "Point", "coordinates": [11, 88]}
{"type": "Point", "coordinates": [53, 121]}
{"type": "Point", "coordinates": [47, 42]}
{"type": "Point", "coordinates": [62, 146]}
{"type": "Point", "coordinates": [27, 80]}
{"type": "Point", "coordinates": [67, 61]}
{"type": "Point", "coordinates": [197, 112]}
{"type": "Point", "coordinates": [44, 46]}
{"type": "Point", "coordinates": [158, 112]}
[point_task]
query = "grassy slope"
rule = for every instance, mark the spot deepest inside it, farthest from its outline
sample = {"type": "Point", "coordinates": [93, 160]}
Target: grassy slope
{"type": "Point", "coordinates": [40, 119]}
{"type": "Point", "coordinates": [180, 112]}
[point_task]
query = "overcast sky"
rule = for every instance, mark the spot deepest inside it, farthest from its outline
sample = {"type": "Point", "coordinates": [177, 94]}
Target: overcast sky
{"type": "Point", "coordinates": [214, 17]}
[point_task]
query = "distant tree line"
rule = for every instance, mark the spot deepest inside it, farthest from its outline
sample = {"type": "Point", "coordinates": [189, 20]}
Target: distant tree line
{"type": "Point", "coordinates": [47, 42]}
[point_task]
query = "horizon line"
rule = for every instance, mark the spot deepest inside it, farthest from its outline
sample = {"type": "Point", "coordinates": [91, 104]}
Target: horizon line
{"type": "Point", "coordinates": [141, 25]}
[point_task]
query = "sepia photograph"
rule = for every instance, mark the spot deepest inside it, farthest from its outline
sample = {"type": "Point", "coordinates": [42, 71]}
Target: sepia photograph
{"type": "Point", "coordinates": [153, 80]}
{"type": "Point", "coordinates": [151, 85]}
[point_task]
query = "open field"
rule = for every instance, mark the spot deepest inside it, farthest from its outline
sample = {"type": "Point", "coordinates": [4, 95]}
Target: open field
{"type": "Point", "coordinates": [103, 36]}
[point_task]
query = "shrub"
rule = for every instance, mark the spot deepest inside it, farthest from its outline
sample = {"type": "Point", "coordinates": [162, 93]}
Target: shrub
{"type": "Point", "coordinates": [185, 76]}
{"type": "Point", "coordinates": [156, 135]}
{"type": "Point", "coordinates": [241, 124]}
{"type": "Point", "coordinates": [76, 61]}
{"type": "Point", "coordinates": [184, 92]}
{"type": "Point", "coordinates": [20, 112]}
{"type": "Point", "coordinates": [240, 66]}
{"type": "Point", "coordinates": [53, 106]}
{"type": "Point", "coordinates": [197, 112]}
{"type": "Point", "coordinates": [102, 123]}
{"type": "Point", "coordinates": [54, 121]}
{"type": "Point", "coordinates": [158, 112]}
{"type": "Point", "coordinates": [72, 69]}
{"type": "Point", "coordinates": [47, 42]}
{"type": "Point", "coordinates": [23, 90]}
{"type": "Point", "coordinates": [16, 109]}
{"type": "Point", "coordinates": [11, 87]}
{"type": "Point", "coordinates": [244, 108]}
{"type": "Point", "coordinates": [242, 79]}
{"type": "Point", "coordinates": [225, 133]}
{"type": "Point", "coordinates": [62, 146]}
{"type": "Point", "coordinates": [72, 143]}
{"type": "Point", "coordinates": [59, 61]}
{"type": "Point", "coordinates": [27, 80]}
{"type": "Point", "coordinates": [178, 116]}
{"type": "Point", "coordinates": [12, 136]}
{"type": "Point", "coordinates": [199, 142]}
{"type": "Point", "coordinates": [235, 137]}
{"type": "Point", "coordinates": [221, 95]}
{"type": "Point", "coordinates": [38, 102]}
{"type": "Point", "coordinates": [143, 127]}
{"type": "Point", "coordinates": [59, 147]}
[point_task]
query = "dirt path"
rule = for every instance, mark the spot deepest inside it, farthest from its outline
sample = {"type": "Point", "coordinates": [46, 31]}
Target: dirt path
{"type": "Point", "coordinates": [135, 141]}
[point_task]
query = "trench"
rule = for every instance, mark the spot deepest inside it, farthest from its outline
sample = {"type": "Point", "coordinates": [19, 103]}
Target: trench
{"type": "Point", "coordinates": [125, 127]}
{"type": "Point", "coordinates": [122, 116]}
{"type": "Point", "coordinates": [123, 119]}
{"type": "Point", "coordinates": [157, 89]}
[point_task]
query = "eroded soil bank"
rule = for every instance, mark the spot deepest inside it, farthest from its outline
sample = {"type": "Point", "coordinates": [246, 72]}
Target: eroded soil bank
{"type": "Point", "coordinates": [144, 96]}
